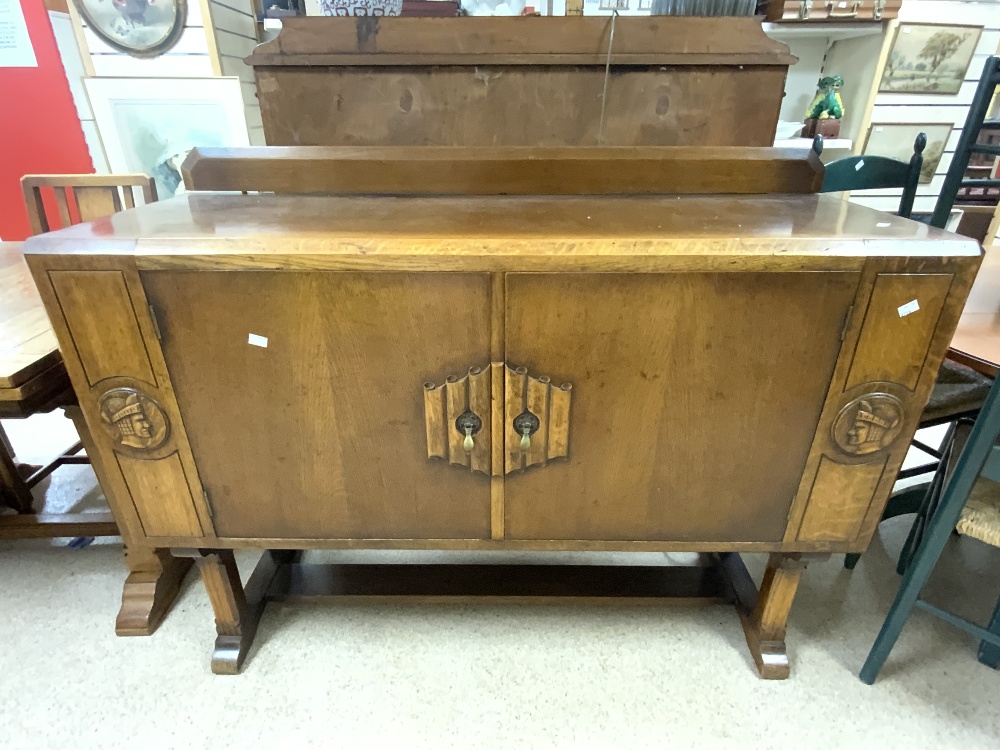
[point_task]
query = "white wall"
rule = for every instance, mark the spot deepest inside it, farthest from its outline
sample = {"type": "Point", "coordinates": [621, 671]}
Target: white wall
{"type": "Point", "coordinates": [235, 37]}
{"type": "Point", "coordinates": [72, 60]}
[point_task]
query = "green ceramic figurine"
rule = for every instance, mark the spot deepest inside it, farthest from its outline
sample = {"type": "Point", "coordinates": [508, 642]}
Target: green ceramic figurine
{"type": "Point", "coordinates": [827, 102]}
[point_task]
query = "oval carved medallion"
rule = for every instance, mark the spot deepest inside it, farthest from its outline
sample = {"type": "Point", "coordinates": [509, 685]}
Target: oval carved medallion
{"type": "Point", "coordinates": [868, 424]}
{"type": "Point", "coordinates": [134, 419]}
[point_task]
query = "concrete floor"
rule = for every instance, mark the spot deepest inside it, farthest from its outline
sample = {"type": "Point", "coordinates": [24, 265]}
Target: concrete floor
{"type": "Point", "coordinates": [483, 676]}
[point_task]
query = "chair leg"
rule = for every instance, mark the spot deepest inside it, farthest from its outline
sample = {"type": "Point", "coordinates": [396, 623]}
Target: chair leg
{"type": "Point", "coordinates": [970, 464]}
{"type": "Point", "coordinates": [988, 653]}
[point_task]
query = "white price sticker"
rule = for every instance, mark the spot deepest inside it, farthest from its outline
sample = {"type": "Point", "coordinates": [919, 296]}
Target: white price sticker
{"type": "Point", "coordinates": [857, 167]}
{"type": "Point", "coordinates": [255, 340]}
{"type": "Point", "coordinates": [907, 309]}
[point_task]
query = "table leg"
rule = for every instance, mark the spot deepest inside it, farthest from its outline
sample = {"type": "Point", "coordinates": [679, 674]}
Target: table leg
{"type": "Point", "coordinates": [14, 491]}
{"type": "Point", "coordinates": [153, 582]}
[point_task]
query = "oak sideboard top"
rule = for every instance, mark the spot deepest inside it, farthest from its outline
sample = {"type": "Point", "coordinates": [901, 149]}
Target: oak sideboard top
{"type": "Point", "coordinates": [501, 232]}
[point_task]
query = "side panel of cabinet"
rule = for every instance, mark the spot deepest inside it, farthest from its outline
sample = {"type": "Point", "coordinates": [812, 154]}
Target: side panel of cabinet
{"type": "Point", "coordinates": [893, 347]}
{"type": "Point", "coordinates": [695, 398]}
{"type": "Point", "coordinates": [109, 344]}
{"type": "Point", "coordinates": [303, 394]}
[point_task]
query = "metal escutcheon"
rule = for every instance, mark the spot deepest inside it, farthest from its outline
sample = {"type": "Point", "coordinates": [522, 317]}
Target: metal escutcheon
{"type": "Point", "coordinates": [468, 424]}
{"type": "Point", "coordinates": [526, 424]}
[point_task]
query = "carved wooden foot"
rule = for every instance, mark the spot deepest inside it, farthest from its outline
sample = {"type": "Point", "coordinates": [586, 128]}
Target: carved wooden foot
{"type": "Point", "coordinates": [764, 614]}
{"type": "Point", "coordinates": [237, 611]}
{"type": "Point", "coordinates": [155, 577]}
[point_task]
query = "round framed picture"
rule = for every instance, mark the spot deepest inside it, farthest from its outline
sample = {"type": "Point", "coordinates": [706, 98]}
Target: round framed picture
{"type": "Point", "coordinates": [142, 28]}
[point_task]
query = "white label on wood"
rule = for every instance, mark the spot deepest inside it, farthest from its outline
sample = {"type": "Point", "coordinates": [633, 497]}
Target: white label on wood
{"type": "Point", "coordinates": [910, 307]}
{"type": "Point", "coordinates": [261, 341]}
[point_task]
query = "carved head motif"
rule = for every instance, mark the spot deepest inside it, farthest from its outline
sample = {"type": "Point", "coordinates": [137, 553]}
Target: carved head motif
{"type": "Point", "coordinates": [134, 419]}
{"type": "Point", "coordinates": [868, 424]}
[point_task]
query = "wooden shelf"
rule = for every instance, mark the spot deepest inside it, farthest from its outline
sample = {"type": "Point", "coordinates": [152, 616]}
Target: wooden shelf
{"type": "Point", "coordinates": [829, 144]}
{"type": "Point", "coordinates": [832, 31]}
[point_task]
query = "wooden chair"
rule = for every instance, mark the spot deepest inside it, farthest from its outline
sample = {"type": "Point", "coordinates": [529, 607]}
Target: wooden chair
{"type": "Point", "coordinates": [968, 145]}
{"type": "Point", "coordinates": [980, 518]}
{"type": "Point", "coordinates": [872, 172]}
{"type": "Point", "coordinates": [82, 197]}
{"type": "Point", "coordinates": [32, 377]}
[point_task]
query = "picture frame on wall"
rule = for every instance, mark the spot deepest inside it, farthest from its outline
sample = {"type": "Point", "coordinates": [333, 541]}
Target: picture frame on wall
{"type": "Point", "coordinates": [136, 27]}
{"type": "Point", "coordinates": [149, 125]}
{"type": "Point", "coordinates": [928, 58]}
{"type": "Point", "coordinates": [895, 140]}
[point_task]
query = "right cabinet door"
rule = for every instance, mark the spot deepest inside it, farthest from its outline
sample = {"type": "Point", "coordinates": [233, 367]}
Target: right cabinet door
{"type": "Point", "coordinates": [695, 398]}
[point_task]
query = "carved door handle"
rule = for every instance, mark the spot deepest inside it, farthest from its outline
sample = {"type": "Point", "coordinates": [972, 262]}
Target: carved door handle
{"type": "Point", "coordinates": [526, 424]}
{"type": "Point", "coordinates": [468, 424]}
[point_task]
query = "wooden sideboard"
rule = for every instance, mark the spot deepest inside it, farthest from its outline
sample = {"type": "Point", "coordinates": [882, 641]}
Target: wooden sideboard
{"type": "Point", "coordinates": [719, 374]}
{"type": "Point", "coordinates": [523, 81]}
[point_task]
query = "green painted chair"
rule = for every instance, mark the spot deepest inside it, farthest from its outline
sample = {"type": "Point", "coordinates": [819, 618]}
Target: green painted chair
{"type": "Point", "coordinates": [873, 172]}
{"type": "Point", "coordinates": [979, 519]}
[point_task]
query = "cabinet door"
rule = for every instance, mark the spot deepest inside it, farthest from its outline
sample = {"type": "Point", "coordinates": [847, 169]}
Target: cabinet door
{"type": "Point", "coordinates": [301, 393]}
{"type": "Point", "coordinates": [695, 398]}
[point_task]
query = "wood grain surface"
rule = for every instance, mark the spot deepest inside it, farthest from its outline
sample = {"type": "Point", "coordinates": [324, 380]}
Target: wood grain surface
{"type": "Point", "coordinates": [660, 367]}
{"type": "Point", "coordinates": [463, 170]}
{"type": "Point", "coordinates": [321, 432]}
{"type": "Point", "coordinates": [27, 344]}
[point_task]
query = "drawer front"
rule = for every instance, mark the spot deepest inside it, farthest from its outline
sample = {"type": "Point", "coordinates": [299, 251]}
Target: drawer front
{"type": "Point", "coordinates": [300, 392]}
{"type": "Point", "coordinates": [695, 399]}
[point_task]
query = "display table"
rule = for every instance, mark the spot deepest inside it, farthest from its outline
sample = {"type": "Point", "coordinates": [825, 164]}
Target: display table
{"type": "Point", "coordinates": [718, 374]}
{"type": "Point", "coordinates": [33, 380]}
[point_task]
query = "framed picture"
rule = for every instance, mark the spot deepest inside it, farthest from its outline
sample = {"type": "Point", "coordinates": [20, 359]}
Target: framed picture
{"type": "Point", "coordinates": [895, 140]}
{"type": "Point", "coordinates": [929, 58]}
{"type": "Point", "coordinates": [141, 28]}
{"type": "Point", "coordinates": [149, 125]}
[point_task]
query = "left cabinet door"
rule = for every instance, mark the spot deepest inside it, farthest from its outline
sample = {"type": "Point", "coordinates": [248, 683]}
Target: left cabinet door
{"type": "Point", "coordinates": [301, 394]}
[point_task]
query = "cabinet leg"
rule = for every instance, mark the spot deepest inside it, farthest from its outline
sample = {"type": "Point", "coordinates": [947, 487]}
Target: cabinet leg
{"type": "Point", "coordinates": [764, 619]}
{"type": "Point", "coordinates": [154, 579]}
{"type": "Point", "coordinates": [237, 610]}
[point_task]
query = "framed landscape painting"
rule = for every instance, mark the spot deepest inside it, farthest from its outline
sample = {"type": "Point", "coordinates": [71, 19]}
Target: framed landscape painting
{"type": "Point", "coordinates": [895, 140]}
{"type": "Point", "coordinates": [929, 58]}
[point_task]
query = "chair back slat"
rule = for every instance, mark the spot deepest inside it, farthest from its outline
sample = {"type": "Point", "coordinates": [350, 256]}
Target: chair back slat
{"type": "Point", "coordinates": [875, 172]}
{"type": "Point", "coordinates": [93, 197]}
{"type": "Point", "coordinates": [97, 202]}
{"type": "Point", "coordinates": [864, 173]}
{"type": "Point", "coordinates": [62, 206]}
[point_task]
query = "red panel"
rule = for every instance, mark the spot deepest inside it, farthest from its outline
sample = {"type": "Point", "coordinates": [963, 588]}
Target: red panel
{"type": "Point", "coordinates": [39, 128]}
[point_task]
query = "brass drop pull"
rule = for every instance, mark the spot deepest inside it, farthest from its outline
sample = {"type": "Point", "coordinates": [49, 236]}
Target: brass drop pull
{"type": "Point", "coordinates": [526, 424]}
{"type": "Point", "coordinates": [468, 424]}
